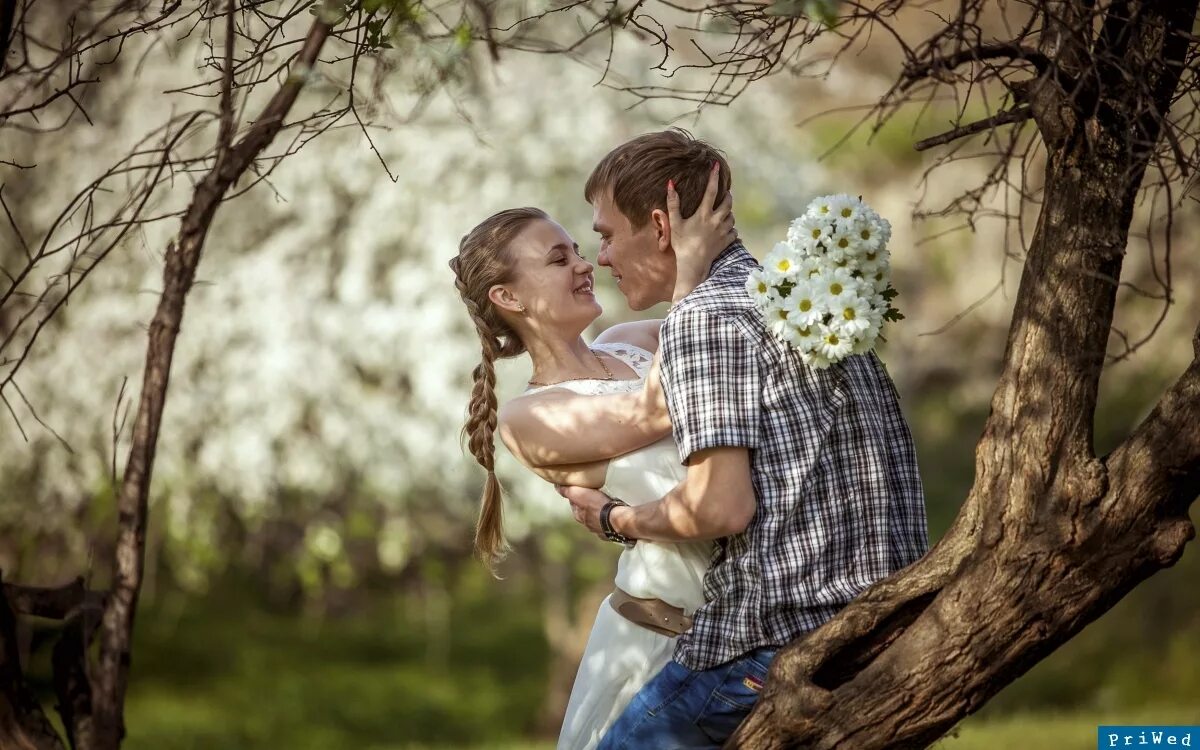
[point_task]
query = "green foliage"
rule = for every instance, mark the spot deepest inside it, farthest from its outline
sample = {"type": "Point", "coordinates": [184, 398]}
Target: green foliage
{"type": "Point", "coordinates": [225, 672]}
{"type": "Point", "coordinates": [893, 315]}
{"type": "Point", "coordinates": [462, 35]}
{"type": "Point", "coordinates": [821, 11]}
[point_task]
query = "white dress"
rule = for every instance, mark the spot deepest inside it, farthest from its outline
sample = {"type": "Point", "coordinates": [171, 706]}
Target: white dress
{"type": "Point", "coordinates": [620, 656]}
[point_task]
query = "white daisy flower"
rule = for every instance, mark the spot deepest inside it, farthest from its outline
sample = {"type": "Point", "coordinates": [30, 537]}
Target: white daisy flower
{"type": "Point", "coordinates": [842, 243]}
{"type": "Point", "coordinates": [867, 234]}
{"type": "Point", "coordinates": [777, 319]}
{"type": "Point", "coordinates": [822, 207]}
{"type": "Point", "coordinates": [759, 287]}
{"type": "Point", "coordinates": [816, 360]}
{"type": "Point", "coordinates": [878, 307]}
{"type": "Point", "coordinates": [836, 284]}
{"type": "Point", "coordinates": [845, 209]}
{"type": "Point", "coordinates": [879, 281]}
{"type": "Point", "coordinates": [781, 262]}
{"type": "Point", "coordinates": [882, 228]}
{"type": "Point", "coordinates": [853, 317]}
{"type": "Point", "coordinates": [803, 338]}
{"type": "Point", "coordinates": [804, 304]}
{"type": "Point", "coordinates": [864, 342]}
{"type": "Point", "coordinates": [810, 230]}
{"type": "Point", "coordinates": [834, 345]}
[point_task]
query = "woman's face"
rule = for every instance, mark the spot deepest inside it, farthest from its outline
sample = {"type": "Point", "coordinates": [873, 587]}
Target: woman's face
{"type": "Point", "coordinates": [551, 279]}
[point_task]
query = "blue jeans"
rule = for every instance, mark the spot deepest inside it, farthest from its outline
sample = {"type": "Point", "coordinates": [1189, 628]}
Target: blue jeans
{"type": "Point", "coordinates": [684, 710]}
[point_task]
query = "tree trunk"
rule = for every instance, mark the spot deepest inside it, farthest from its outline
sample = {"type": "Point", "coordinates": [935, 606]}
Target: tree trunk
{"type": "Point", "coordinates": [23, 724]}
{"type": "Point", "coordinates": [182, 258]}
{"type": "Point", "coordinates": [1050, 536]}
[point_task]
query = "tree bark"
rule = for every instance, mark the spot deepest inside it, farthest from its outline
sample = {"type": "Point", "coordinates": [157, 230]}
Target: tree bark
{"type": "Point", "coordinates": [1050, 536]}
{"type": "Point", "coordinates": [182, 258]}
{"type": "Point", "coordinates": [23, 724]}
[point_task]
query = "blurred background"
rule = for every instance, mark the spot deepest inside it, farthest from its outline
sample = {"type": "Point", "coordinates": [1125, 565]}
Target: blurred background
{"type": "Point", "coordinates": [310, 579]}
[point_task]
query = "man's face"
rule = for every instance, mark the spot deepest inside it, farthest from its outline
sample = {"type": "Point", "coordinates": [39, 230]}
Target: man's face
{"type": "Point", "coordinates": [641, 263]}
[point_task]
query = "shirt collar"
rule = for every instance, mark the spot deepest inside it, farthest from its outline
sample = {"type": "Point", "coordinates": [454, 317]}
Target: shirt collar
{"type": "Point", "coordinates": [730, 255]}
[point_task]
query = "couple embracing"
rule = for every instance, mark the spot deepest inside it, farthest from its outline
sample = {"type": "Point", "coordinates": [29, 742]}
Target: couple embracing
{"type": "Point", "coordinates": [755, 496]}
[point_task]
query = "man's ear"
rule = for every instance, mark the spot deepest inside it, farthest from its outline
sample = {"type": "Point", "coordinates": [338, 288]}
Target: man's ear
{"type": "Point", "coordinates": [662, 228]}
{"type": "Point", "coordinates": [502, 297]}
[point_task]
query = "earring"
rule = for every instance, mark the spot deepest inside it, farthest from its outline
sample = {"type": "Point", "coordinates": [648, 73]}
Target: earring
{"type": "Point", "coordinates": [521, 308]}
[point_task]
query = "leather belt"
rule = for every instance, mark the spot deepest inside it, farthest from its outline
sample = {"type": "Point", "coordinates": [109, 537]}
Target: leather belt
{"type": "Point", "coordinates": [652, 614]}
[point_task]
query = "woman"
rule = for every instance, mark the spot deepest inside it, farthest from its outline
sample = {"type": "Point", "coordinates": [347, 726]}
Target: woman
{"type": "Point", "coordinates": [593, 416]}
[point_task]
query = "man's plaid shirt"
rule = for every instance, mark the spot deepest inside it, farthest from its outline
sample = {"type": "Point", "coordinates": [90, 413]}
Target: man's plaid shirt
{"type": "Point", "coordinates": [840, 504]}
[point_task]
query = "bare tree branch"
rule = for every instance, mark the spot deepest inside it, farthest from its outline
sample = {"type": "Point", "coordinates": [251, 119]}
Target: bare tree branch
{"type": "Point", "coordinates": [1020, 114]}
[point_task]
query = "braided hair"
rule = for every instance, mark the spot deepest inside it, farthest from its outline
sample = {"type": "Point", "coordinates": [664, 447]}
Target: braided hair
{"type": "Point", "coordinates": [483, 261]}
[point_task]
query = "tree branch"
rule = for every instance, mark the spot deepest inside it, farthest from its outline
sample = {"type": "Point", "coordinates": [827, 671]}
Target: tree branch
{"type": "Point", "coordinates": [915, 71]}
{"type": "Point", "coordinates": [225, 135]}
{"type": "Point", "coordinates": [1018, 114]}
{"type": "Point", "coordinates": [56, 603]}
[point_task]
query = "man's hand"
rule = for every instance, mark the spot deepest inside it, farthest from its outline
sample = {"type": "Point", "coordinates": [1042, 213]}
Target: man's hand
{"type": "Point", "coordinates": [585, 505]}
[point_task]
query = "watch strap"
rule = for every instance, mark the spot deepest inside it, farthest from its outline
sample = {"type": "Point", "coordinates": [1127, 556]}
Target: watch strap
{"type": "Point", "coordinates": [606, 526]}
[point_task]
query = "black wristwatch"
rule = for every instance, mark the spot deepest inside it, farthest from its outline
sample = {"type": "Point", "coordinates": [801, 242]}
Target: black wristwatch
{"type": "Point", "coordinates": [606, 526]}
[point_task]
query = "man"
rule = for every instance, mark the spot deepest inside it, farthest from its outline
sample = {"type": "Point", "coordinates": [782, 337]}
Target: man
{"type": "Point", "coordinates": [808, 478]}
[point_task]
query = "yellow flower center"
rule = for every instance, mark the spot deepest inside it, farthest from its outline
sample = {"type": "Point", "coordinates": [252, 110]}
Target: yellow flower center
{"type": "Point", "coordinates": [762, 287]}
{"type": "Point", "coordinates": [835, 288]}
{"type": "Point", "coordinates": [865, 234]}
{"type": "Point", "coordinates": [784, 264]}
{"type": "Point", "coordinates": [832, 339]}
{"type": "Point", "coordinates": [870, 256]}
{"type": "Point", "coordinates": [846, 212]}
{"type": "Point", "coordinates": [782, 314]}
{"type": "Point", "coordinates": [805, 305]}
{"type": "Point", "coordinates": [816, 233]}
{"type": "Point", "coordinates": [849, 313]}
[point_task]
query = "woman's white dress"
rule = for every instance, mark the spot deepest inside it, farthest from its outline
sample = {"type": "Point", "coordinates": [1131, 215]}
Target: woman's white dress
{"type": "Point", "coordinates": [620, 656]}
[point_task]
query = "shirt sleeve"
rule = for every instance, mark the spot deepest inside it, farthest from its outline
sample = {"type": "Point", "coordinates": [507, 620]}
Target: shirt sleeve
{"type": "Point", "coordinates": [710, 374]}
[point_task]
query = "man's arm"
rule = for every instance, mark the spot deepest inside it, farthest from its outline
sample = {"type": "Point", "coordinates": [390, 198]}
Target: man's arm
{"type": "Point", "coordinates": [715, 499]}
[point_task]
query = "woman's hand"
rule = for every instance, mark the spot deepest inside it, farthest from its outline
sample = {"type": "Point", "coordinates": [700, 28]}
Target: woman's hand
{"type": "Point", "coordinates": [701, 237]}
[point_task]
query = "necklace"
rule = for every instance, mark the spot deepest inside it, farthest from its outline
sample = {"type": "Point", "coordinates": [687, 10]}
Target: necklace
{"type": "Point", "coordinates": [607, 372]}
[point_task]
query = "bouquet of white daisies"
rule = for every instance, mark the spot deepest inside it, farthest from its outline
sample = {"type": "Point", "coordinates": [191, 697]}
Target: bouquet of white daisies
{"type": "Point", "coordinates": [827, 290]}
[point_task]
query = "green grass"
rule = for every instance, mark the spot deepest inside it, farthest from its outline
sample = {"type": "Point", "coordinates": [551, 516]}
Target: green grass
{"type": "Point", "coordinates": [227, 672]}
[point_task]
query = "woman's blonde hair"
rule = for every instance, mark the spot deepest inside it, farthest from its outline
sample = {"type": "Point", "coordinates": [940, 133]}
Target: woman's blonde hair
{"type": "Point", "coordinates": [484, 260]}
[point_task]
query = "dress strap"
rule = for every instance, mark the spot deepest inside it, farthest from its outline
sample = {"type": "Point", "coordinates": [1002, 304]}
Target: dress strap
{"type": "Point", "coordinates": [635, 356]}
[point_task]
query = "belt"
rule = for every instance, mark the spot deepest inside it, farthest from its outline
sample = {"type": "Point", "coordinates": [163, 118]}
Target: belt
{"type": "Point", "coordinates": [652, 614]}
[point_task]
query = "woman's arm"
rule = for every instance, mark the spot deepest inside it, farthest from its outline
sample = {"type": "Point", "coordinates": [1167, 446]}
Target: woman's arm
{"type": "Point", "coordinates": [559, 427]}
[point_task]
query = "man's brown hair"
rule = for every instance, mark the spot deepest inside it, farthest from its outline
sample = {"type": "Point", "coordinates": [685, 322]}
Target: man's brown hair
{"type": "Point", "coordinates": [636, 174]}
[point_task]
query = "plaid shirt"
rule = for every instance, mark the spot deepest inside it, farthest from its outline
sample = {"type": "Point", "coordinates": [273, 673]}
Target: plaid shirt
{"type": "Point", "coordinates": [840, 504]}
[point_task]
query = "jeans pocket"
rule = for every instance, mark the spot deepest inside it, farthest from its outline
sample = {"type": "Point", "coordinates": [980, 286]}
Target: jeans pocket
{"type": "Point", "coordinates": [731, 702]}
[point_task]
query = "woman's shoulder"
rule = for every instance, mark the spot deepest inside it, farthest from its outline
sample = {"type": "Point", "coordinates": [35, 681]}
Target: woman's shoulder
{"type": "Point", "coordinates": [640, 333]}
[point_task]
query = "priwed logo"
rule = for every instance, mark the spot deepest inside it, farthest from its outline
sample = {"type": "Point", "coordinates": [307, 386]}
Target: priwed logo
{"type": "Point", "coordinates": [1145, 736]}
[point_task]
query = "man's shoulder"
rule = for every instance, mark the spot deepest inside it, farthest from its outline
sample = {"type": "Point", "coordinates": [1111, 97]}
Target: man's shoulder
{"type": "Point", "coordinates": [723, 294]}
